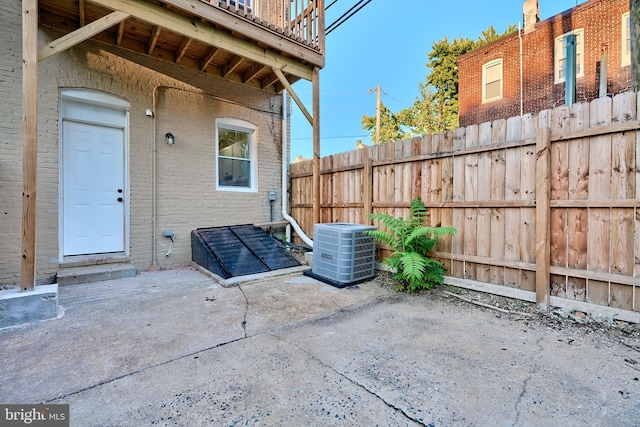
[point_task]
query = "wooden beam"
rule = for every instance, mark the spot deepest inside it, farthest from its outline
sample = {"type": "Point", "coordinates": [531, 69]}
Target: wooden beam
{"type": "Point", "coordinates": [29, 142]}
{"type": "Point", "coordinates": [248, 28]}
{"type": "Point", "coordinates": [272, 79]}
{"type": "Point", "coordinates": [293, 94]}
{"type": "Point", "coordinates": [120, 33]}
{"type": "Point", "coordinates": [543, 217]}
{"type": "Point", "coordinates": [315, 83]}
{"type": "Point", "coordinates": [597, 131]}
{"type": "Point", "coordinates": [154, 39]}
{"type": "Point", "coordinates": [521, 265]}
{"type": "Point", "coordinates": [208, 58]}
{"type": "Point", "coordinates": [488, 204]}
{"type": "Point", "coordinates": [81, 13]}
{"type": "Point", "coordinates": [231, 67]}
{"type": "Point", "coordinates": [182, 49]}
{"type": "Point", "coordinates": [185, 26]}
{"type": "Point", "coordinates": [604, 203]}
{"type": "Point", "coordinates": [69, 40]}
{"type": "Point", "coordinates": [253, 73]}
{"type": "Point", "coordinates": [594, 275]}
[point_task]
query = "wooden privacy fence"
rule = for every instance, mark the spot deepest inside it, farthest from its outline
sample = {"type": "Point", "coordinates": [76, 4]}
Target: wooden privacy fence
{"type": "Point", "coordinates": [547, 206]}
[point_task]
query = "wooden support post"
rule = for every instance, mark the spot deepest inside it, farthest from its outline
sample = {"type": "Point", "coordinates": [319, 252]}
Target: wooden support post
{"type": "Point", "coordinates": [29, 141]}
{"type": "Point", "coordinates": [315, 82]}
{"type": "Point", "coordinates": [367, 186]}
{"type": "Point", "coordinates": [543, 216]}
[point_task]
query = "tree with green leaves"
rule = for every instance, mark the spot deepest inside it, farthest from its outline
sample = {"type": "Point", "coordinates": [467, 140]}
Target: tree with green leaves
{"type": "Point", "coordinates": [436, 106]}
{"type": "Point", "coordinates": [391, 125]}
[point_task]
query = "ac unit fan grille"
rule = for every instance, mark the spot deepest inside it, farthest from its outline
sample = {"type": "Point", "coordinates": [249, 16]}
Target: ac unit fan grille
{"type": "Point", "coordinates": [343, 253]}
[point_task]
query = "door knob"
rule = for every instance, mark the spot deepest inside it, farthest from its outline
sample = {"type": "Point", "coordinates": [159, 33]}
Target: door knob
{"type": "Point", "coordinates": [120, 199]}
{"type": "Point", "coordinates": [119, 190]}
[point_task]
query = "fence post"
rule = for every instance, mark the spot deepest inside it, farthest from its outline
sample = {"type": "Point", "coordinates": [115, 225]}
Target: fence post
{"type": "Point", "coordinates": [543, 216]}
{"type": "Point", "coordinates": [367, 186]}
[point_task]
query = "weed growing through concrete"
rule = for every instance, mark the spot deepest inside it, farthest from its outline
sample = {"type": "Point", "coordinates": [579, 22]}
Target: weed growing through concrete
{"type": "Point", "coordinates": [411, 240]}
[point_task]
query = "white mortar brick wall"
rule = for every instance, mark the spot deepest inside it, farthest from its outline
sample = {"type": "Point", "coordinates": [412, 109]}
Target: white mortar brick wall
{"type": "Point", "coordinates": [187, 105]}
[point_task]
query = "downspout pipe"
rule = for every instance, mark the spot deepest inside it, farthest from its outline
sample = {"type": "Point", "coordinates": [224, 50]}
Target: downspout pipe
{"type": "Point", "coordinates": [570, 70]}
{"type": "Point", "coordinates": [285, 215]}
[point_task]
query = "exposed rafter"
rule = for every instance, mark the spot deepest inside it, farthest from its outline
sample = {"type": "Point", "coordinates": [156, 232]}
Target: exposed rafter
{"type": "Point", "coordinates": [246, 27]}
{"type": "Point", "coordinates": [208, 58]}
{"type": "Point", "coordinates": [178, 24]}
{"type": "Point", "coordinates": [120, 33]}
{"type": "Point", "coordinates": [154, 39]}
{"type": "Point", "coordinates": [268, 82]}
{"type": "Point", "coordinates": [81, 13]}
{"type": "Point", "coordinates": [182, 49]}
{"type": "Point", "coordinates": [252, 73]}
{"type": "Point", "coordinates": [232, 66]}
{"type": "Point", "coordinates": [82, 34]}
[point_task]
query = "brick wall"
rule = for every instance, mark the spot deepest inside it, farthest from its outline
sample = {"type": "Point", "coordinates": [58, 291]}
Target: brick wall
{"type": "Point", "coordinates": [187, 198]}
{"type": "Point", "coordinates": [601, 21]}
{"type": "Point", "coordinates": [10, 147]}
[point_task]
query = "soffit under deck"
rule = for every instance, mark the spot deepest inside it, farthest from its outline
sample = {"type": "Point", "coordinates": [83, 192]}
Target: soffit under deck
{"type": "Point", "coordinates": [191, 39]}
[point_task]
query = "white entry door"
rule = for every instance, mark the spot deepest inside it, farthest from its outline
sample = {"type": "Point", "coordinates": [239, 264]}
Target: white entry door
{"type": "Point", "coordinates": [93, 182]}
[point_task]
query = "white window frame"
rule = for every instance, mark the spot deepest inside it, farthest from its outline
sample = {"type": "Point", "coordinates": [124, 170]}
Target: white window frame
{"type": "Point", "coordinates": [560, 52]}
{"type": "Point", "coordinates": [251, 130]}
{"type": "Point", "coordinates": [485, 67]}
{"type": "Point", "coordinates": [626, 35]}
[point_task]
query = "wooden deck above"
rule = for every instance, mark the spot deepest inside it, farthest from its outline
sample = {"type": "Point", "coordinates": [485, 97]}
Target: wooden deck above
{"type": "Point", "coordinates": [239, 40]}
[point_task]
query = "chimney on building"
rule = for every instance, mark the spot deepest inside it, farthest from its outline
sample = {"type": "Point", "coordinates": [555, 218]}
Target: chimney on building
{"type": "Point", "coordinates": [531, 11]}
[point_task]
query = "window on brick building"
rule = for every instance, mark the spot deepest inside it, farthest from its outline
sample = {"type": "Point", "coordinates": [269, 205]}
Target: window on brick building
{"type": "Point", "coordinates": [560, 55]}
{"type": "Point", "coordinates": [626, 39]}
{"type": "Point", "coordinates": [235, 155]}
{"type": "Point", "coordinates": [492, 81]}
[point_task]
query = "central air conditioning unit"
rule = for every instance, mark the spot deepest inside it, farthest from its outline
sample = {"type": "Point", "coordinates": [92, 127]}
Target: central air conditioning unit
{"type": "Point", "coordinates": [342, 253]}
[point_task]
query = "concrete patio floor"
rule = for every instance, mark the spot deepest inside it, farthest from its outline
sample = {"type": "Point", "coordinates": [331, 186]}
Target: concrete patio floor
{"type": "Point", "coordinates": [175, 348]}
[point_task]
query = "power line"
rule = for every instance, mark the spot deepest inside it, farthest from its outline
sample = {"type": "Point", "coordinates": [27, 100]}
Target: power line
{"type": "Point", "coordinates": [396, 99]}
{"type": "Point", "coordinates": [346, 16]}
{"type": "Point", "coordinates": [332, 3]}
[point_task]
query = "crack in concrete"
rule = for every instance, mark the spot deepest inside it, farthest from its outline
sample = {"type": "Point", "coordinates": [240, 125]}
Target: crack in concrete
{"type": "Point", "coordinates": [356, 383]}
{"type": "Point", "coordinates": [243, 324]}
{"type": "Point", "coordinates": [519, 401]}
{"type": "Point", "coordinates": [245, 336]}
{"type": "Point", "coordinates": [525, 384]}
{"type": "Point", "coordinates": [246, 311]}
{"type": "Point", "coordinates": [143, 369]}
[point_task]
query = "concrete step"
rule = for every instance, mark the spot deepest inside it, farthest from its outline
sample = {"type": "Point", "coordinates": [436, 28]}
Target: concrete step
{"type": "Point", "coordinates": [94, 273]}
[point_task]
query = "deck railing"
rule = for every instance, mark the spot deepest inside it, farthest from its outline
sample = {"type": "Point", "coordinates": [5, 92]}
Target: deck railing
{"type": "Point", "coordinates": [300, 20]}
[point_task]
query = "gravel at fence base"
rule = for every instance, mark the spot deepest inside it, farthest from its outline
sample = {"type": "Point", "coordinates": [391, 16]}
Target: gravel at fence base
{"type": "Point", "coordinates": [555, 318]}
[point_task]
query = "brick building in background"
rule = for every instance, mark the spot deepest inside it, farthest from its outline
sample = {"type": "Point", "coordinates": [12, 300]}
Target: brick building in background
{"type": "Point", "coordinates": [490, 77]}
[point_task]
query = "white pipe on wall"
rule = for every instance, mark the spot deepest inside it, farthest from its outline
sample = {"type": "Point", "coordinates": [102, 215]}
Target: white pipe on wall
{"type": "Point", "coordinates": [285, 215]}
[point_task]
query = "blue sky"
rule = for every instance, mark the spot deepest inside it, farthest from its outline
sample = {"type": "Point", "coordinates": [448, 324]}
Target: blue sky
{"type": "Point", "coordinates": [386, 44]}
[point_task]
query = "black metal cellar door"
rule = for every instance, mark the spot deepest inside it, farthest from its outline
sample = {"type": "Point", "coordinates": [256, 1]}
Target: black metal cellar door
{"type": "Point", "coordinates": [238, 251]}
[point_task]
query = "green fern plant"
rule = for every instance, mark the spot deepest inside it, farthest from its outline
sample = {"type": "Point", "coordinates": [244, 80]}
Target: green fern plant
{"type": "Point", "coordinates": [411, 240]}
